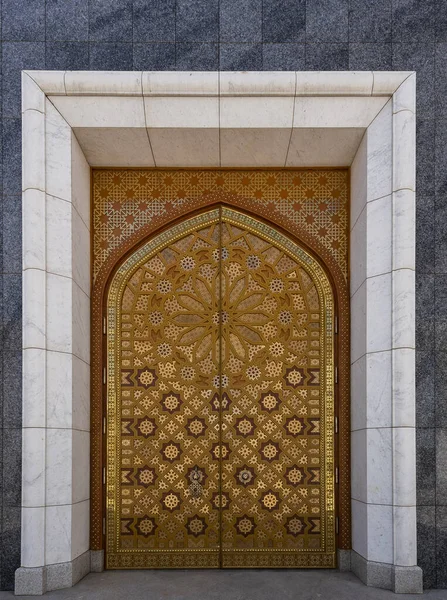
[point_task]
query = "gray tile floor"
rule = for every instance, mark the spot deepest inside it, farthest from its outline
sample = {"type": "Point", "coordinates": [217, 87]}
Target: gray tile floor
{"type": "Point", "coordinates": [225, 585]}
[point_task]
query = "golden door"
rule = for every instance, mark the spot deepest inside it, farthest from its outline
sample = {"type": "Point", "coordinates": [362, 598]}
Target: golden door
{"type": "Point", "coordinates": [220, 400]}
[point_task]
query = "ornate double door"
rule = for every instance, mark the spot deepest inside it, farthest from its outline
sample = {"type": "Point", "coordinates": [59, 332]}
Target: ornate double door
{"type": "Point", "coordinates": [220, 400]}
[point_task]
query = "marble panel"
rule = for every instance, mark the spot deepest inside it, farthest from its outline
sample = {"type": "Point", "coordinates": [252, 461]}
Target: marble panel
{"type": "Point", "coordinates": [425, 467]}
{"type": "Point", "coordinates": [425, 157]}
{"type": "Point", "coordinates": [291, 27]}
{"type": "Point", "coordinates": [109, 56]}
{"type": "Point", "coordinates": [254, 147]}
{"type": "Point", "coordinates": [33, 388]}
{"type": "Point", "coordinates": [340, 83]}
{"type": "Point", "coordinates": [404, 96]}
{"type": "Point", "coordinates": [358, 252]}
{"type": "Point", "coordinates": [404, 447]}
{"type": "Point", "coordinates": [59, 390]}
{"type": "Point", "coordinates": [67, 55]}
{"type": "Point", "coordinates": [32, 96]}
{"type": "Point", "coordinates": [185, 147]}
{"type": "Point", "coordinates": [24, 22]}
{"type": "Point", "coordinates": [57, 154]}
{"type": "Point", "coordinates": [404, 231]}
{"type": "Point", "coordinates": [358, 323]}
{"type": "Point", "coordinates": [414, 22]}
{"type": "Point", "coordinates": [59, 308]}
{"type": "Point", "coordinates": [58, 467]}
{"type": "Point", "coordinates": [257, 83]}
{"type": "Point", "coordinates": [67, 20]}
{"type": "Point", "coordinates": [59, 242]}
{"type": "Point", "coordinates": [33, 526]}
{"type": "Point", "coordinates": [33, 466]}
{"type": "Point", "coordinates": [425, 235]}
{"type": "Point", "coordinates": [327, 21]}
{"type": "Point", "coordinates": [405, 540]}
{"type": "Point", "coordinates": [80, 181]}
{"type": "Point", "coordinates": [379, 157]}
{"type": "Point", "coordinates": [359, 466]}
{"type": "Point", "coordinates": [81, 262]}
{"type": "Point", "coordinates": [247, 27]}
{"type": "Point", "coordinates": [110, 21]}
{"type": "Point", "coordinates": [404, 308]}
{"type": "Point", "coordinates": [197, 21]}
{"type": "Point", "coordinates": [441, 545]}
{"type": "Point", "coordinates": [80, 541]}
{"type": "Point", "coordinates": [10, 241]}
{"type": "Point", "coordinates": [79, 83]}
{"type": "Point", "coordinates": [440, 393]}
{"type": "Point", "coordinates": [441, 464]}
{"type": "Point", "coordinates": [404, 155]}
{"type": "Point", "coordinates": [11, 372]}
{"type": "Point", "coordinates": [419, 57]}
{"type": "Point", "coordinates": [404, 367]}
{"type": "Point", "coordinates": [154, 56]}
{"type": "Point", "coordinates": [378, 313]}
{"type": "Point", "coordinates": [336, 111]}
{"type": "Point", "coordinates": [111, 147]}
{"type": "Point", "coordinates": [81, 395]}
{"type": "Point", "coordinates": [18, 55]}
{"type": "Point", "coordinates": [33, 156]}
{"type": "Point", "coordinates": [387, 82]}
{"type": "Point", "coordinates": [328, 147]}
{"type": "Point", "coordinates": [11, 485]}
{"type": "Point", "coordinates": [380, 533]}
{"type": "Point", "coordinates": [100, 111]}
{"type": "Point", "coordinates": [50, 82]}
{"type": "Point", "coordinates": [185, 83]}
{"type": "Point", "coordinates": [33, 229]}
{"type": "Point", "coordinates": [371, 391]}
{"type": "Point", "coordinates": [426, 540]}
{"type": "Point", "coordinates": [33, 303]}
{"type": "Point", "coordinates": [371, 466]}
{"type": "Point", "coordinates": [370, 56]}
{"type": "Point", "coordinates": [256, 112]}
{"type": "Point", "coordinates": [81, 466]}
{"type": "Point", "coordinates": [378, 236]}
{"type": "Point", "coordinates": [240, 57]}
{"type": "Point", "coordinates": [359, 513]}
{"type": "Point", "coordinates": [283, 57]}
{"type": "Point", "coordinates": [153, 20]}
{"type": "Point", "coordinates": [181, 112]}
{"type": "Point", "coordinates": [81, 324]}
{"type": "Point", "coordinates": [58, 534]}
{"type": "Point", "coordinates": [198, 56]}
{"type": "Point", "coordinates": [359, 186]}
{"type": "Point", "coordinates": [12, 156]}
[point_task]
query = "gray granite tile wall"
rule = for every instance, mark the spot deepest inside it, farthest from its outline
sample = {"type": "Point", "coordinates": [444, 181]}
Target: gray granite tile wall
{"type": "Point", "coordinates": [242, 35]}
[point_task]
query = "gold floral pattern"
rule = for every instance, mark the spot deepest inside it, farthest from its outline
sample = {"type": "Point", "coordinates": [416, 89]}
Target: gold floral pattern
{"type": "Point", "coordinates": [224, 351]}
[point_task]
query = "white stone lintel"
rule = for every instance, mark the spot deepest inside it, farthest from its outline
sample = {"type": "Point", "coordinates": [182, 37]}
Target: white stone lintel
{"type": "Point", "coordinates": [224, 83]}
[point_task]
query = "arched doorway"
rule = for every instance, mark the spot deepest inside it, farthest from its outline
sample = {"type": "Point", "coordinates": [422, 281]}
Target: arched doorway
{"type": "Point", "coordinates": [220, 400]}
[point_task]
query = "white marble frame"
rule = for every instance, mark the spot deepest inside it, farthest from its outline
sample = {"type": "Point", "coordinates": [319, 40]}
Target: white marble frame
{"type": "Point", "coordinates": [73, 120]}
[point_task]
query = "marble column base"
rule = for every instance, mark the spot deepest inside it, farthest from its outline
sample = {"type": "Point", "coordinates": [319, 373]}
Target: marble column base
{"type": "Point", "coordinates": [344, 560]}
{"type": "Point", "coordinates": [401, 580]}
{"type": "Point", "coordinates": [35, 581]}
{"type": "Point", "coordinates": [96, 561]}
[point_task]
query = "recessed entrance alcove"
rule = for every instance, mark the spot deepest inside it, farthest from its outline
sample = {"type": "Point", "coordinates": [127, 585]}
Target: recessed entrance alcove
{"type": "Point", "coordinates": [73, 121]}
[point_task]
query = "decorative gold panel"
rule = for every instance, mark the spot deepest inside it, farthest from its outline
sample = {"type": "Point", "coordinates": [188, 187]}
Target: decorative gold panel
{"type": "Point", "coordinates": [312, 204]}
{"type": "Point", "coordinates": [220, 400]}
